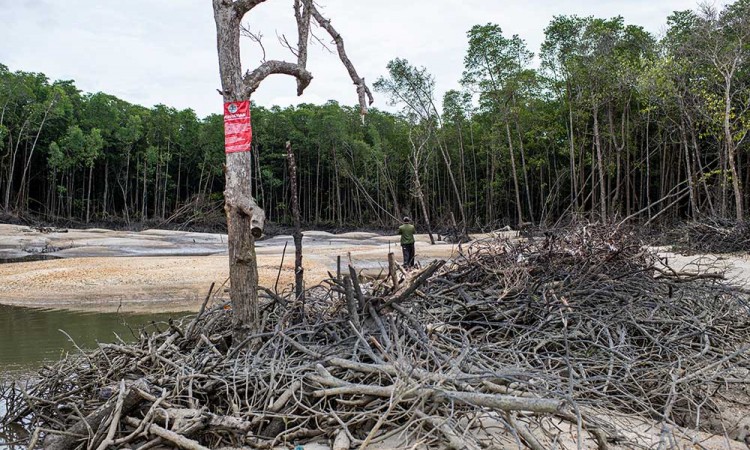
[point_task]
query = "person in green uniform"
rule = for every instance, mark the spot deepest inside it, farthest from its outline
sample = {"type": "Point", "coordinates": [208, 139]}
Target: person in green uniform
{"type": "Point", "coordinates": [407, 232]}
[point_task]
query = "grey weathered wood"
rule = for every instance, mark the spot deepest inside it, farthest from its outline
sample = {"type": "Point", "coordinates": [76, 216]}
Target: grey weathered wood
{"type": "Point", "coordinates": [244, 217]}
{"type": "Point", "coordinates": [130, 400]}
{"type": "Point", "coordinates": [351, 303]}
{"type": "Point", "coordinates": [414, 284]}
{"type": "Point", "coordinates": [299, 271]}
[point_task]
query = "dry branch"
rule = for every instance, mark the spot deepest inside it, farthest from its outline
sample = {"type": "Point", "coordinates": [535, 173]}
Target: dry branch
{"type": "Point", "coordinates": [577, 326]}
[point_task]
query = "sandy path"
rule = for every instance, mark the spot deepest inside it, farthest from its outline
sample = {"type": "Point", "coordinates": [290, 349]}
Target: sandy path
{"type": "Point", "coordinates": [82, 280]}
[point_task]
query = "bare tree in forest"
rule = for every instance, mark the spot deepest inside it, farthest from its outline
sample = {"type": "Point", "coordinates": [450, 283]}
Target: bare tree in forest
{"type": "Point", "coordinates": [244, 217]}
{"type": "Point", "coordinates": [413, 88]}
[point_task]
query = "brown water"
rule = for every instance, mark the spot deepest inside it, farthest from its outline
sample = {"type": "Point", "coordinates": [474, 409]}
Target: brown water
{"type": "Point", "coordinates": [30, 338]}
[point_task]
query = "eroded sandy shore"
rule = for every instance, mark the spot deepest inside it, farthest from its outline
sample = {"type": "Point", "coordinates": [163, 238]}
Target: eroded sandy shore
{"type": "Point", "coordinates": [162, 271]}
{"type": "Point", "coordinates": [157, 270]}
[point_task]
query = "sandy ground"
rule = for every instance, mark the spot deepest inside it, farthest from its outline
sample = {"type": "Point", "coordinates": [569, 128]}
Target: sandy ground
{"type": "Point", "coordinates": [158, 270]}
{"type": "Point", "coordinates": [735, 267]}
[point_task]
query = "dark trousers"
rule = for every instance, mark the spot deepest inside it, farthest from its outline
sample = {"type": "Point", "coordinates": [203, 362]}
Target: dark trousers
{"type": "Point", "coordinates": [408, 250]}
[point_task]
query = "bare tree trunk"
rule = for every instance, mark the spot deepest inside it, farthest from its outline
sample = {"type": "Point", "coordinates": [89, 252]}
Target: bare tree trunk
{"type": "Point", "coordinates": [88, 193]}
{"type": "Point", "coordinates": [337, 179]}
{"type": "Point", "coordinates": [144, 201]}
{"type": "Point", "coordinates": [522, 152]}
{"type": "Point", "coordinates": [177, 188]}
{"type": "Point", "coordinates": [36, 139]}
{"type": "Point", "coordinates": [701, 171]}
{"type": "Point", "coordinates": [71, 191]}
{"type": "Point", "coordinates": [164, 187]}
{"type": "Point", "coordinates": [600, 165]}
{"type": "Point", "coordinates": [244, 217]}
{"type": "Point", "coordinates": [648, 165]}
{"type": "Point", "coordinates": [423, 204]}
{"type": "Point", "coordinates": [125, 187]}
{"type": "Point", "coordinates": [573, 175]}
{"type": "Point", "coordinates": [299, 271]}
{"type": "Point", "coordinates": [689, 174]}
{"type": "Point", "coordinates": [105, 196]}
{"type": "Point", "coordinates": [447, 161]}
{"type": "Point", "coordinates": [732, 152]}
{"type": "Point", "coordinates": [317, 188]}
{"type": "Point", "coordinates": [519, 210]}
{"type": "Point", "coordinates": [12, 166]}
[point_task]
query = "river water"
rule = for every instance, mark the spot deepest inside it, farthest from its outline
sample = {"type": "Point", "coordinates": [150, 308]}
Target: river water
{"type": "Point", "coordinates": [30, 338]}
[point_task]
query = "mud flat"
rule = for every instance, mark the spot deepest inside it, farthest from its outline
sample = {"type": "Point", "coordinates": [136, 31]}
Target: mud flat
{"type": "Point", "coordinates": [160, 270]}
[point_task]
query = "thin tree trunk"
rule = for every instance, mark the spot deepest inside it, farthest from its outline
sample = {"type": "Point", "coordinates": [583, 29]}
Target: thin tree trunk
{"type": "Point", "coordinates": [299, 283]}
{"type": "Point", "coordinates": [701, 171]}
{"type": "Point", "coordinates": [145, 192]}
{"type": "Point", "coordinates": [447, 161]}
{"type": "Point", "coordinates": [515, 175]}
{"type": "Point", "coordinates": [177, 188]}
{"type": "Point", "coordinates": [339, 207]}
{"type": "Point", "coordinates": [12, 166]}
{"type": "Point", "coordinates": [600, 164]}
{"type": "Point", "coordinates": [105, 197]}
{"type": "Point", "coordinates": [691, 184]}
{"type": "Point", "coordinates": [522, 152]}
{"type": "Point", "coordinates": [573, 174]}
{"type": "Point", "coordinates": [731, 153]}
{"type": "Point", "coordinates": [36, 139]}
{"type": "Point", "coordinates": [423, 204]}
{"type": "Point", "coordinates": [648, 165]}
{"type": "Point", "coordinates": [88, 194]}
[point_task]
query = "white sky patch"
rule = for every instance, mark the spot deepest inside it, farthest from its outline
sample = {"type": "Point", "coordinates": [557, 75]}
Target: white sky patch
{"type": "Point", "coordinates": [150, 52]}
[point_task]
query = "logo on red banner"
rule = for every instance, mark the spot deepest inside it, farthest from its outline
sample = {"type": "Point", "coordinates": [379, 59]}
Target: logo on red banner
{"type": "Point", "coordinates": [238, 133]}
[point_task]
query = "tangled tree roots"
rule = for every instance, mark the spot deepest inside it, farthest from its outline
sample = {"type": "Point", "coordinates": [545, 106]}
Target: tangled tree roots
{"type": "Point", "coordinates": [512, 344]}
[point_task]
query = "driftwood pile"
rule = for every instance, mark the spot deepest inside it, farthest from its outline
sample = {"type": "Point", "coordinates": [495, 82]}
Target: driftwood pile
{"type": "Point", "coordinates": [512, 344]}
{"type": "Point", "coordinates": [711, 236]}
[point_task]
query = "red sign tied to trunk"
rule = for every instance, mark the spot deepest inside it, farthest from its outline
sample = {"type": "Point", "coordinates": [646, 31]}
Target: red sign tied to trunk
{"type": "Point", "coordinates": [238, 133]}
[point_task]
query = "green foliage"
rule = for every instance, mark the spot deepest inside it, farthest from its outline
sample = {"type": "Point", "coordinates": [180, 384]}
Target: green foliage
{"type": "Point", "coordinates": [658, 103]}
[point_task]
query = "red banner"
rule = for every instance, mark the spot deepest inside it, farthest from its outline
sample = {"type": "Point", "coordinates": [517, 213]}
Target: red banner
{"type": "Point", "coordinates": [238, 133]}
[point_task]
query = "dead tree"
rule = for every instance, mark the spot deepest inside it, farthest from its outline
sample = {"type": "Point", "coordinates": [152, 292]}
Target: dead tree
{"type": "Point", "coordinates": [244, 217]}
{"type": "Point", "coordinates": [299, 271]}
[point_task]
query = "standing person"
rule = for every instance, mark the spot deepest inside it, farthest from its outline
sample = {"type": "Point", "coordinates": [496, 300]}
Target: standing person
{"type": "Point", "coordinates": [407, 232]}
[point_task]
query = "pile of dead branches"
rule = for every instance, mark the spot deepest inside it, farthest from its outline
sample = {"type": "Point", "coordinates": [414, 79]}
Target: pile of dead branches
{"type": "Point", "coordinates": [711, 236]}
{"type": "Point", "coordinates": [511, 344]}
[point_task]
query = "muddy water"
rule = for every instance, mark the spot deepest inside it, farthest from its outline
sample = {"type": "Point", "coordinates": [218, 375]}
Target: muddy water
{"type": "Point", "coordinates": [30, 338]}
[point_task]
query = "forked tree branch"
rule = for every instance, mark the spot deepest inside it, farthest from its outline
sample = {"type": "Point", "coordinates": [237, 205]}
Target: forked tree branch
{"type": "Point", "coordinates": [241, 7]}
{"type": "Point", "coordinates": [303, 10]}
{"type": "Point", "coordinates": [363, 92]}
{"type": "Point", "coordinates": [253, 79]}
{"type": "Point", "coordinates": [302, 15]}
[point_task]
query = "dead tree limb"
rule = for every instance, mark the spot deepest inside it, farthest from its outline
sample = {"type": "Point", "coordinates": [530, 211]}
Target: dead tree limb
{"type": "Point", "coordinates": [363, 92]}
{"type": "Point", "coordinates": [70, 438]}
{"type": "Point", "coordinates": [415, 283]}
